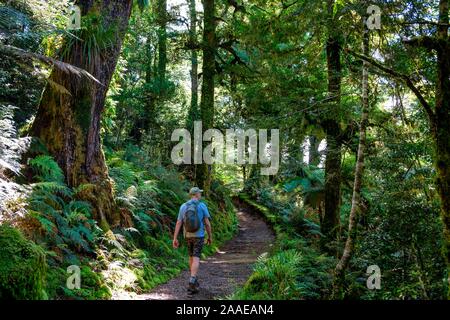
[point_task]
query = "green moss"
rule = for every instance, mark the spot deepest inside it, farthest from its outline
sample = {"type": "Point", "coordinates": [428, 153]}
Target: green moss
{"type": "Point", "coordinates": [83, 113]}
{"type": "Point", "coordinates": [92, 287]}
{"type": "Point", "coordinates": [56, 279]}
{"type": "Point", "coordinates": [22, 266]}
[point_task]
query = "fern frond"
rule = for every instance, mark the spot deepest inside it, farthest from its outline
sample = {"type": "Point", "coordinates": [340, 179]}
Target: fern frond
{"type": "Point", "coordinates": [81, 207]}
{"type": "Point", "coordinates": [62, 66]}
{"type": "Point", "coordinates": [47, 169]}
{"type": "Point", "coordinates": [82, 187]}
{"type": "Point", "coordinates": [53, 188]}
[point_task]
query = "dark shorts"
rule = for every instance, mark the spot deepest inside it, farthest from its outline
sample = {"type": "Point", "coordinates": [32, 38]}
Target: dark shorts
{"type": "Point", "coordinates": [195, 246]}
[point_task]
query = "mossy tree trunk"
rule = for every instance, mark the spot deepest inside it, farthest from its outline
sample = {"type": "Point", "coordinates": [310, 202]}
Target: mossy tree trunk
{"type": "Point", "coordinates": [162, 44]}
{"type": "Point", "coordinates": [69, 125]}
{"type": "Point", "coordinates": [193, 113]}
{"type": "Point", "coordinates": [441, 124]}
{"type": "Point", "coordinates": [203, 171]}
{"type": "Point", "coordinates": [331, 126]}
{"type": "Point", "coordinates": [359, 171]}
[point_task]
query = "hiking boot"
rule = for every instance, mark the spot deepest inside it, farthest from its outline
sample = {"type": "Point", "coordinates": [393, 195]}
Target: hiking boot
{"type": "Point", "coordinates": [193, 285]}
{"type": "Point", "coordinates": [193, 288]}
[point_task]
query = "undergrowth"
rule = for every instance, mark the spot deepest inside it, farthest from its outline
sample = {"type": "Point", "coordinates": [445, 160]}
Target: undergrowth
{"type": "Point", "coordinates": [119, 263]}
{"type": "Point", "coordinates": [295, 268]}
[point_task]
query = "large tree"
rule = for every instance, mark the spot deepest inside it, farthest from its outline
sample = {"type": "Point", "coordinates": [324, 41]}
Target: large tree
{"type": "Point", "coordinates": [193, 113]}
{"type": "Point", "coordinates": [68, 123]}
{"type": "Point", "coordinates": [203, 173]}
{"type": "Point", "coordinates": [332, 129]}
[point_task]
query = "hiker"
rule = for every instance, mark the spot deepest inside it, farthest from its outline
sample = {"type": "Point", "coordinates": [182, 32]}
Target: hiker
{"type": "Point", "coordinates": [194, 216]}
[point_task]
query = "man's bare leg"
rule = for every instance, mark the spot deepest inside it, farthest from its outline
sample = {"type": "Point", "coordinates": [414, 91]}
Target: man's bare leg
{"type": "Point", "coordinates": [194, 265]}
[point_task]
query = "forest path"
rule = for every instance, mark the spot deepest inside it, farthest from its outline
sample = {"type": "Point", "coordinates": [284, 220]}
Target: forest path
{"type": "Point", "coordinates": [221, 274]}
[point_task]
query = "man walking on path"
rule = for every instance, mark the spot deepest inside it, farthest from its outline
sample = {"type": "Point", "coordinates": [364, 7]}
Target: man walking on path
{"type": "Point", "coordinates": [194, 216]}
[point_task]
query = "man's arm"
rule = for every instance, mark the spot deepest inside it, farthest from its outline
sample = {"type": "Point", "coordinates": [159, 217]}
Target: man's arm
{"type": "Point", "coordinates": [175, 242]}
{"type": "Point", "coordinates": [176, 232]}
{"type": "Point", "coordinates": [208, 230]}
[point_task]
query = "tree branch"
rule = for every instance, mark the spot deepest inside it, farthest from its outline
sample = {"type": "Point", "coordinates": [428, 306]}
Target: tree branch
{"type": "Point", "coordinates": [424, 42]}
{"type": "Point", "coordinates": [397, 75]}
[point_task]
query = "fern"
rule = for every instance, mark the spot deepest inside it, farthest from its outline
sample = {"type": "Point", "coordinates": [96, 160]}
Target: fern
{"type": "Point", "coordinates": [81, 208]}
{"type": "Point", "coordinates": [142, 221]}
{"type": "Point", "coordinates": [46, 169]}
{"type": "Point", "coordinates": [65, 220]}
{"type": "Point", "coordinates": [11, 148]}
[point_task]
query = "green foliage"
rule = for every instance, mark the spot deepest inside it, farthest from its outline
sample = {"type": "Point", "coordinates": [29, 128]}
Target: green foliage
{"type": "Point", "coordinates": [47, 169]}
{"type": "Point", "coordinates": [66, 222]}
{"type": "Point", "coordinates": [142, 3]}
{"type": "Point", "coordinates": [271, 72]}
{"type": "Point", "coordinates": [401, 227]}
{"type": "Point", "coordinates": [31, 26]}
{"type": "Point", "coordinates": [92, 287]}
{"type": "Point", "coordinates": [299, 273]}
{"type": "Point", "coordinates": [293, 270]}
{"type": "Point", "coordinates": [95, 37]}
{"type": "Point", "coordinates": [11, 148]}
{"type": "Point", "coordinates": [22, 266]}
{"type": "Point", "coordinates": [274, 278]}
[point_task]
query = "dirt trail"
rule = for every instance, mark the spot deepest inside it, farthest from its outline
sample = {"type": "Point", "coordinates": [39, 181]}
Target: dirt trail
{"type": "Point", "coordinates": [229, 268]}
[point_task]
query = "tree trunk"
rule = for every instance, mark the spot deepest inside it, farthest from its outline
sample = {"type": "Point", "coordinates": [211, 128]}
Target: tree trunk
{"type": "Point", "coordinates": [441, 126]}
{"type": "Point", "coordinates": [193, 114]}
{"type": "Point", "coordinates": [332, 129]}
{"type": "Point", "coordinates": [359, 171]}
{"type": "Point", "coordinates": [203, 171]}
{"type": "Point", "coordinates": [194, 62]}
{"type": "Point", "coordinates": [162, 44]}
{"type": "Point", "coordinates": [314, 155]}
{"type": "Point", "coordinates": [332, 190]}
{"type": "Point", "coordinates": [69, 125]}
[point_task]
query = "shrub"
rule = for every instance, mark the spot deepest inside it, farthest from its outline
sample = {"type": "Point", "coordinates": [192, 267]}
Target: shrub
{"type": "Point", "coordinates": [274, 277]}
